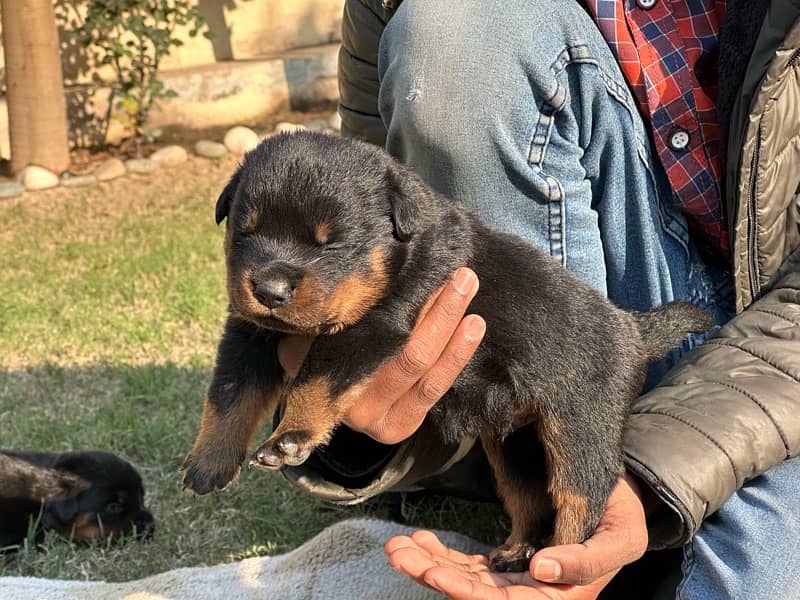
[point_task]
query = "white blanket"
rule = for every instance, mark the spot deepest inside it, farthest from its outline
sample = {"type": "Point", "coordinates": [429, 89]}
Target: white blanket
{"type": "Point", "coordinates": [345, 561]}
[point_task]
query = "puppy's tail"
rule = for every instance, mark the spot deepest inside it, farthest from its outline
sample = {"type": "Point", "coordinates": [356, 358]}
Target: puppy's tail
{"type": "Point", "coordinates": [664, 327]}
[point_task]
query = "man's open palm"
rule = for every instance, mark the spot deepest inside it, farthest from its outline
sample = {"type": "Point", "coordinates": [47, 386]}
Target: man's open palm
{"type": "Point", "coordinates": [621, 538]}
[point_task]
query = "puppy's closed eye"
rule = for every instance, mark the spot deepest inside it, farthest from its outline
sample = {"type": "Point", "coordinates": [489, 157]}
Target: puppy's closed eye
{"type": "Point", "coordinates": [322, 234]}
{"type": "Point", "coordinates": [115, 508]}
{"type": "Point", "coordinates": [250, 223]}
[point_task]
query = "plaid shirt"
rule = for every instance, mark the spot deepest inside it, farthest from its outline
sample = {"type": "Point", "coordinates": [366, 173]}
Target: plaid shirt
{"type": "Point", "coordinates": [666, 51]}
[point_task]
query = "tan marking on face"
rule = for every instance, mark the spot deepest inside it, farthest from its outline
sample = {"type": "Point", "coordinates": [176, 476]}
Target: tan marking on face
{"type": "Point", "coordinates": [240, 293]}
{"type": "Point", "coordinates": [322, 232]}
{"type": "Point", "coordinates": [303, 312]}
{"type": "Point", "coordinates": [304, 309]}
{"type": "Point", "coordinates": [251, 221]}
{"type": "Point", "coordinates": [309, 311]}
{"type": "Point", "coordinates": [85, 528]}
{"type": "Point", "coordinates": [359, 292]}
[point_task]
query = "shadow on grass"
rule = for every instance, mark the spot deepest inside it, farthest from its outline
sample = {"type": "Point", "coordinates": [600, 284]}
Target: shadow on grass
{"type": "Point", "coordinates": [149, 414]}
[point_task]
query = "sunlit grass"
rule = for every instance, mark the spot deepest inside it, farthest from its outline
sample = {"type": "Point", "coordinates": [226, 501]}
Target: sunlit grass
{"type": "Point", "coordinates": [111, 304]}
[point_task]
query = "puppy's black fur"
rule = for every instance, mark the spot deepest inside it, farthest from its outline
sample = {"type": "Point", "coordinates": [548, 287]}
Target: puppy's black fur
{"type": "Point", "coordinates": [333, 238]}
{"type": "Point", "coordinates": [80, 495]}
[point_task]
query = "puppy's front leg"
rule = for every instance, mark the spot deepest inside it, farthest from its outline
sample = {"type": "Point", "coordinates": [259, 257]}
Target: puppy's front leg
{"type": "Point", "coordinates": [245, 388]}
{"type": "Point", "coordinates": [335, 373]}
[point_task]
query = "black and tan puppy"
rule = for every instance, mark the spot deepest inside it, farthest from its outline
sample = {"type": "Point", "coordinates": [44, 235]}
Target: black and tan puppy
{"type": "Point", "coordinates": [333, 238]}
{"type": "Point", "coordinates": [80, 495]}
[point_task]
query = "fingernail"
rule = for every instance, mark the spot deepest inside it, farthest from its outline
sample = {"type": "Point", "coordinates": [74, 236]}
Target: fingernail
{"type": "Point", "coordinates": [476, 327]}
{"type": "Point", "coordinates": [547, 569]}
{"type": "Point", "coordinates": [464, 281]}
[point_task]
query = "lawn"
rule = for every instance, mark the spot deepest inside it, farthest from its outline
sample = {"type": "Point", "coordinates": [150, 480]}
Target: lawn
{"type": "Point", "coordinates": [112, 302]}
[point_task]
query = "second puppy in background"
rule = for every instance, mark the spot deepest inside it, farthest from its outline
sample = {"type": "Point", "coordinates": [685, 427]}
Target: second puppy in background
{"type": "Point", "coordinates": [80, 495]}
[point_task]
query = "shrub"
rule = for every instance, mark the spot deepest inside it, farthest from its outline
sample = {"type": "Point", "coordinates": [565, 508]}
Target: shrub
{"type": "Point", "coordinates": [133, 37]}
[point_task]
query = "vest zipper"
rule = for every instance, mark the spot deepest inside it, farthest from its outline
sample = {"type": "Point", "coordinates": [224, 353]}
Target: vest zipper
{"type": "Point", "coordinates": [752, 259]}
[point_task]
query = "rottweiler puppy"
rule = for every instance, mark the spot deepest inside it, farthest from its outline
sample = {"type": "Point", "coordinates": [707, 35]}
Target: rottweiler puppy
{"type": "Point", "coordinates": [81, 495]}
{"type": "Point", "coordinates": [333, 238]}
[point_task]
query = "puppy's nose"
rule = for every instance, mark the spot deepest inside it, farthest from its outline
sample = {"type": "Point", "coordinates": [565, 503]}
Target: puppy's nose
{"type": "Point", "coordinates": [274, 292]}
{"type": "Point", "coordinates": [144, 523]}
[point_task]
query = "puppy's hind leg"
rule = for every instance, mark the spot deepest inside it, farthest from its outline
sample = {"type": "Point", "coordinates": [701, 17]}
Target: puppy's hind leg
{"type": "Point", "coordinates": [518, 466]}
{"type": "Point", "coordinates": [584, 461]}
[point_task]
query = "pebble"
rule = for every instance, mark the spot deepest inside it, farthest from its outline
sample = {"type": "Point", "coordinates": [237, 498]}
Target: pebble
{"type": "Point", "coordinates": [110, 169]}
{"type": "Point", "coordinates": [335, 121]}
{"type": "Point", "coordinates": [10, 190]}
{"type": "Point", "coordinates": [317, 125]}
{"type": "Point", "coordinates": [240, 139]}
{"type": "Point", "coordinates": [208, 149]}
{"type": "Point", "coordinates": [170, 156]}
{"type": "Point", "coordinates": [37, 178]}
{"type": "Point", "coordinates": [286, 127]}
{"type": "Point", "coordinates": [143, 166]}
{"type": "Point", "coordinates": [78, 180]}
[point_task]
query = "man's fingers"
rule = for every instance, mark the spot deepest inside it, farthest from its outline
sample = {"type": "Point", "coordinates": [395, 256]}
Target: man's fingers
{"type": "Point", "coordinates": [405, 416]}
{"type": "Point", "coordinates": [433, 332]}
{"type": "Point", "coordinates": [428, 340]}
{"type": "Point", "coordinates": [397, 542]}
{"type": "Point", "coordinates": [459, 585]}
{"type": "Point", "coordinates": [458, 352]}
{"type": "Point", "coordinates": [428, 541]}
{"type": "Point", "coordinates": [406, 556]}
{"type": "Point", "coordinates": [411, 561]}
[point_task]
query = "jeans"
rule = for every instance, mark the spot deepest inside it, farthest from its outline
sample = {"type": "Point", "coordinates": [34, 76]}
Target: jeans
{"type": "Point", "coordinates": [518, 109]}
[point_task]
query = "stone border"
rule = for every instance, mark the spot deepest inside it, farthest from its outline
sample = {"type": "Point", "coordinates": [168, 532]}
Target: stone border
{"type": "Point", "coordinates": [236, 142]}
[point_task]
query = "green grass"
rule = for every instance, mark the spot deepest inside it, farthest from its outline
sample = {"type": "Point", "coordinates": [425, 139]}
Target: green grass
{"type": "Point", "coordinates": [112, 301]}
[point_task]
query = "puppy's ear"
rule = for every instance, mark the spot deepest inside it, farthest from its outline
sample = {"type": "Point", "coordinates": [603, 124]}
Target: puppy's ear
{"type": "Point", "coordinates": [405, 192]}
{"type": "Point", "coordinates": [58, 513]}
{"type": "Point", "coordinates": [226, 197]}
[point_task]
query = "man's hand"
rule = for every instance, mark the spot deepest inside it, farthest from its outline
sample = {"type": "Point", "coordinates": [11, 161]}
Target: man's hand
{"type": "Point", "coordinates": [575, 572]}
{"type": "Point", "coordinates": [403, 391]}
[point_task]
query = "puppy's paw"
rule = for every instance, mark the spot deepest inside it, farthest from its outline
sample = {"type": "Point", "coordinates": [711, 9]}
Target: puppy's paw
{"type": "Point", "coordinates": [289, 448]}
{"type": "Point", "coordinates": [511, 558]}
{"type": "Point", "coordinates": [206, 471]}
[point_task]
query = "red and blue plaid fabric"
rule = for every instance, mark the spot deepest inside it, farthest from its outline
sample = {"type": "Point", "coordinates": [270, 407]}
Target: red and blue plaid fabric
{"type": "Point", "coordinates": [666, 49]}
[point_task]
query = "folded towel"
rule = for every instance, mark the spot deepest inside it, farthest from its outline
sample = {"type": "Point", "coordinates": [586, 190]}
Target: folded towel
{"type": "Point", "coordinates": [345, 561]}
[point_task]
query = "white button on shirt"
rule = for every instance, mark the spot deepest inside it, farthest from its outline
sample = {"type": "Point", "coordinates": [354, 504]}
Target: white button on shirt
{"type": "Point", "coordinates": [646, 4]}
{"type": "Point", "coordinates": [678, 139]}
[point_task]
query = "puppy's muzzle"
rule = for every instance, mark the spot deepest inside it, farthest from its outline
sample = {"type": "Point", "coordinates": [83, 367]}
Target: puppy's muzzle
{"type": "Point", "coordinates": [274, 292]}
{"type": "Point", "coordinates": [144, 524]}
{"type": "Point", "coordinates": [276, 284]}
